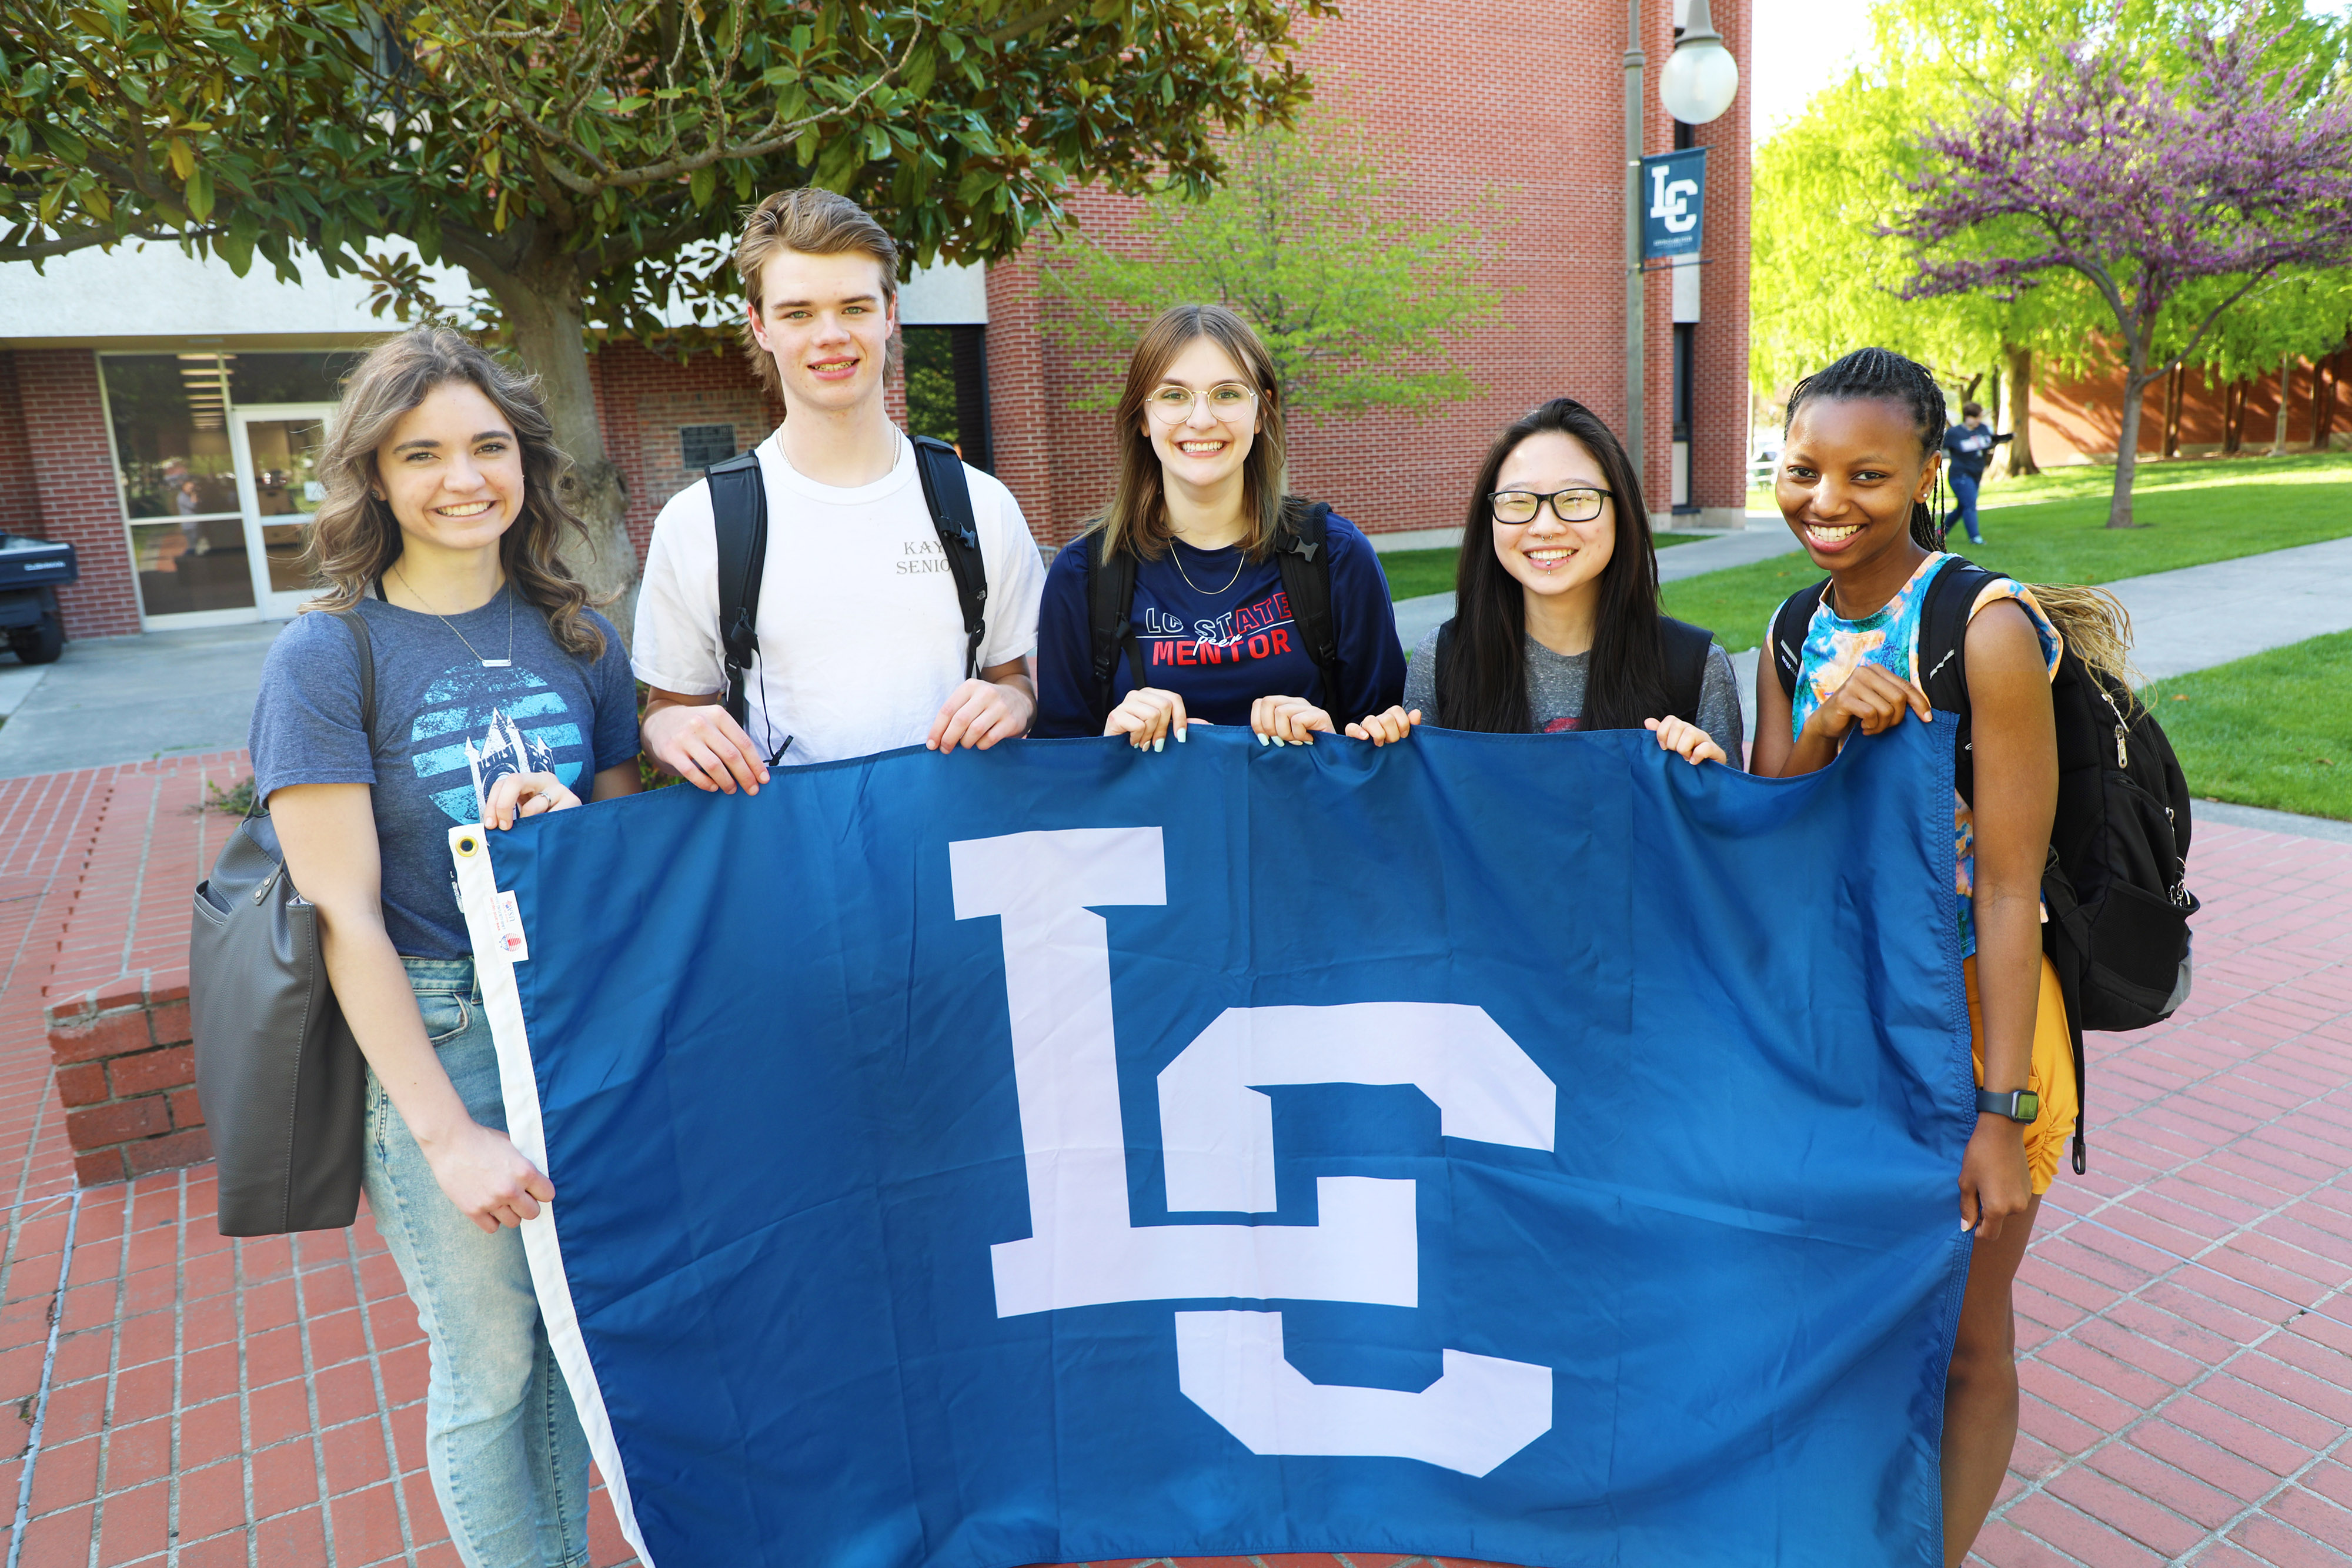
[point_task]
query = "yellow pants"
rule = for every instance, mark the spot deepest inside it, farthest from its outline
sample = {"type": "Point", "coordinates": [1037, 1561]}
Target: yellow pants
{"type": "Point", "coordinates": [2051, 1075]}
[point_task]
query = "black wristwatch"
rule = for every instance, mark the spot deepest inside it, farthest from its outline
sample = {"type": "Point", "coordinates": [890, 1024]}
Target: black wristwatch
{"type": "Point", "coordinates": [2018, 1105]}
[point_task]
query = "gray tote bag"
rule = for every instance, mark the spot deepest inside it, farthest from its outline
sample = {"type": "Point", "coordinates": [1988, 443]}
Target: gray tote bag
{"type": "Point", "coordinates": [282, 1083]}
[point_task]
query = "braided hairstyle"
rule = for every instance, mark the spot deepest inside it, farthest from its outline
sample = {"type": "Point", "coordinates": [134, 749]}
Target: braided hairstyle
{"type": "Point", "coordinates": [1882, 373]}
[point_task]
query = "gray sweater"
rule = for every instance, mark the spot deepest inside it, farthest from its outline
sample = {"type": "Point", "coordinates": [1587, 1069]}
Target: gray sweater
{"type": "Point", "coordinates": [1555, 691]}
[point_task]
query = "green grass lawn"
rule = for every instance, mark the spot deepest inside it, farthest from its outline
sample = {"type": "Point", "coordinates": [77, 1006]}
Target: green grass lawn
{"type": "Point", "coordinates": [2051, 527]}
{"type": "Point", "coordinates": [2273, 730]}
{"type": "Point", "coordinates": [1415, 572]}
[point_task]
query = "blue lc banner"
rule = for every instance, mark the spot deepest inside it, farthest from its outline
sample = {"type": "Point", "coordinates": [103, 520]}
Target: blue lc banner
{"type": "Point", "coordinates": [1523, 1148]}
{"type": "Point", "coordinates": [1673, 203]}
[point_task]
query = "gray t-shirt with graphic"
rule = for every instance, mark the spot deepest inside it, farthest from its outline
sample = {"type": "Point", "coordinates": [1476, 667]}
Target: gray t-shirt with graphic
{"type": "Point", "coordinates": [442, 719]}
{"type": "Point", "coordinates": [1555, 691]}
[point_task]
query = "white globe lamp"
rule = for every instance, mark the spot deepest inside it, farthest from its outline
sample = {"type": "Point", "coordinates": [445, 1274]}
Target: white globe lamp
{"type": "Point", "coordinates": [1701, 78]}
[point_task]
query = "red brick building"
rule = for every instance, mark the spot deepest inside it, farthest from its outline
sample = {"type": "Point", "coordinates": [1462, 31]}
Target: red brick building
{"type": "Point", "coordinates": [176, 462]}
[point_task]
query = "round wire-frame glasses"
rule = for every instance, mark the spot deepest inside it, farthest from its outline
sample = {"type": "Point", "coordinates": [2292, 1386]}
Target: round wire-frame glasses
{"type": "Point", "coordinates": [1173, 404]}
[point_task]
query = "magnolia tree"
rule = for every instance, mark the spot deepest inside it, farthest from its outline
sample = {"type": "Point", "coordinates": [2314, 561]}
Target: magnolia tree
{"type": "Point", "coordinates": [582, 160]}
{"type": "Point", "coordinates": [2238, 170]}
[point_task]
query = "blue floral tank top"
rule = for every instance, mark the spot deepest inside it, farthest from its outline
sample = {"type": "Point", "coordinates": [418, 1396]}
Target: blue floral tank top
{"type": "Point", "coordinates": [1889, 638]}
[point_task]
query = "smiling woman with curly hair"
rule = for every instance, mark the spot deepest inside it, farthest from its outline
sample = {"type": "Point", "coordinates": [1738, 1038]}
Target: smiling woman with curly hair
{"type": "Point", "coordinates": [453, 673]}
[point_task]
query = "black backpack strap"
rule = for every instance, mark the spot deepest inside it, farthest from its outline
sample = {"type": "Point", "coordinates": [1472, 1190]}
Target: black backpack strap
{"type": "Point", "coordinates": [1302, 552]}
{"type": "Point", "coordinates": [1790, 624]}
{"type": "Point", "coordinates": [738, 518]}
{"type": "Point", "coordinates": [1110, 622]}
{"type": "Point", "coordinates": [949, 496]}
{"type": "Point", "coordinates": [1943, 656]}
{"type": "Point", "coordinates": [1685, 647]}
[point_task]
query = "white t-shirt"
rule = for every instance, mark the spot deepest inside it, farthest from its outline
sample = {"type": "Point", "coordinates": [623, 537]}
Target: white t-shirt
{"type": "Point", "coordinates": [861, 638]}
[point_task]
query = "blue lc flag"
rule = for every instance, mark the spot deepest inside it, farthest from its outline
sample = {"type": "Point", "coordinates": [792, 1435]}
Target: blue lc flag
{"type": "Point", "coordinates": [1517, 1147]}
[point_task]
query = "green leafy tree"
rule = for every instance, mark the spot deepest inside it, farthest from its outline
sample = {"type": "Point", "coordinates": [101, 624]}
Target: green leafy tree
{"type": "Point", "coordinates": [582, 160]}
{"type": "Point", "coordinates": [1360, 304]}
{"type": "Point", "coordinates": [1826, 280]}
{"type": "Point", "coordinates": [1828, 183]}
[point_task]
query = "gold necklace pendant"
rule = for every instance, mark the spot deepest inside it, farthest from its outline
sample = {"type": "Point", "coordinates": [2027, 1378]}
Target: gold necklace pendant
{"type": "Point", "coordinates": [1187, 576]}
{"type": "Point", "coordinates": [505, 588]}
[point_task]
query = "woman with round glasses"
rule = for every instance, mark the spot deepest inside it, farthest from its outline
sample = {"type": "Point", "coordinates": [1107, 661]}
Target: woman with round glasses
{"type": "Point", "coordinates": [1555, 623]}
{"type": "Point", "coordinates": [1176, 606]}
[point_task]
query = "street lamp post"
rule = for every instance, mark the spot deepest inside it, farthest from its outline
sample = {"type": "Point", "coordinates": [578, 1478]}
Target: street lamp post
{"type": "Point", "coordinates": [1698, 83]}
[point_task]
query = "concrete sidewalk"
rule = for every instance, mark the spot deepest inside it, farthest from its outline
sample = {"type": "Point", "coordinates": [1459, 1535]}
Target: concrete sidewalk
{"type": "Point", "coordinates": [2208, 615]}
{"type": "Point", "coordinates": [130, 699]}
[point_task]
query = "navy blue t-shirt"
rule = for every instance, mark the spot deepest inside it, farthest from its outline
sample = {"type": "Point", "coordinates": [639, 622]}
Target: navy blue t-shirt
{"type": "Point", "coordinates": [565, 715]}
{"type": "Point", "coordinates": [1216, 630]}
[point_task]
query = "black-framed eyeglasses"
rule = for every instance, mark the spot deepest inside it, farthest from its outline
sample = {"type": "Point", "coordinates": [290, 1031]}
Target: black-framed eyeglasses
{"type": "Point", "coordinates": [1581, 505]}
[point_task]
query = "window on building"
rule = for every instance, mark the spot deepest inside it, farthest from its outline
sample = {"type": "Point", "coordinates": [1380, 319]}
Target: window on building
{"type": "Point", "coordinates": [172, 419]}
{"type": "Point", "coordinates": [170, 413]}
{"type": "Point", "coordinates": [947, 388]}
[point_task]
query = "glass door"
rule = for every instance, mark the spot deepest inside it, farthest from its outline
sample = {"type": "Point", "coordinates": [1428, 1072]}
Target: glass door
{"type": "Point", "coordinates": [277, 482]}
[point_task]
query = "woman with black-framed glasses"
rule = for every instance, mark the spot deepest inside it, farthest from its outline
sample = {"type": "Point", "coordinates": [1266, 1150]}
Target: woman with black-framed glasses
{"type": "Point", "coordinates": [1555, 623]}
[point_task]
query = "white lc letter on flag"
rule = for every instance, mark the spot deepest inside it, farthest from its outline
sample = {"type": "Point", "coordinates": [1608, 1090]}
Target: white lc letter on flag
{"type": "Point", "coordinates": [1218, 1141]}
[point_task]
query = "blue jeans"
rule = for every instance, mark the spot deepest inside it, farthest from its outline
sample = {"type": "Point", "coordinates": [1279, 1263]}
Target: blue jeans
{"type": "Point", "coordinates": [509, 1464]}
{"type": "Point", "coordinates": [1964, 491]}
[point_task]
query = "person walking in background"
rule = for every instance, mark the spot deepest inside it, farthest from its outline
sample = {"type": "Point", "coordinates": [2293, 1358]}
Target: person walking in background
{"type": "Point", "coordinates": [1555, 623]}
{"type": "Point", "coordinates": [497, 691]}
{"type": "Point", "coordinates": [1204, 593]}
{"type": "Point", "coordinates": [1968, 448]}
{"type": "Point", "coordinates": [860, 633]}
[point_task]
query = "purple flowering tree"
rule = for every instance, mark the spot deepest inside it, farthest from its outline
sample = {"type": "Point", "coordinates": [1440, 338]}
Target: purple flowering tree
{"type": "Point", "coordinates": [2238, 171]}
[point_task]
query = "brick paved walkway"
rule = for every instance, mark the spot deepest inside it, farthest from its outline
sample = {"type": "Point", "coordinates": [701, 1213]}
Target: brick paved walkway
{"type": "Point", "coordinates": [2186, 1322]}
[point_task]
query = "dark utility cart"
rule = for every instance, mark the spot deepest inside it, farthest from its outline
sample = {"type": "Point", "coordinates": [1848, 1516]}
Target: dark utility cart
{"type": "Point", "coordinates": [30, 573]}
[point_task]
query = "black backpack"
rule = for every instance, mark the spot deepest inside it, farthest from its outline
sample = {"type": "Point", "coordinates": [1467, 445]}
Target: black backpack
{"type": "Point", "coordinates": [1302, 553]}
{"type": "Point", "coordinates": [2116, 883]}
{"type": "Point", "coordinates": [739, 515]}
{"type": "Point", "coordinates": [1686, 648]}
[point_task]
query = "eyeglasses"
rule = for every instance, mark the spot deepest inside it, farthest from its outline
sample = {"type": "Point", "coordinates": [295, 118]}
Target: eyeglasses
{"type": "Point", "coordinates": [1173, 404]}
{"type": "Point", "coordinates": [1579, 506]}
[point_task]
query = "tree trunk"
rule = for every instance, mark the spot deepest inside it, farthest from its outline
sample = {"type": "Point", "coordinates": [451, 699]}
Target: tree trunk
{"type": "Point", "coordinates": [2020, 411]}
{"type": "Point", "coordinates": [2176, 389]}
{"type": "Point", "coordinates": [2287, 385]}
{"type": "Point", "coordinates": [2136, 381]}
{"type": "Point", "coordinates": [541, 299]}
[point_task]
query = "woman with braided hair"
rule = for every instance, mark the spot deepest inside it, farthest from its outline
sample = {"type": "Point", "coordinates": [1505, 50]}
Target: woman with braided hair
{"type": "Point", "coordinates": [1858, 467]}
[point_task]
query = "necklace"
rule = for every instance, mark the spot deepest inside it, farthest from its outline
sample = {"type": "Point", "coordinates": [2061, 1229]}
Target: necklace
{"type": "Point", "coordinates": [1188, 576]}
{"type": "Point", "coordinates": [486, 663]}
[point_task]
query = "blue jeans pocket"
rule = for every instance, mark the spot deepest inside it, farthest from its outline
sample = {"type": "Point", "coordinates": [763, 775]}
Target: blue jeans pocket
{"type": "Point", "coordinates": [447, 1015]}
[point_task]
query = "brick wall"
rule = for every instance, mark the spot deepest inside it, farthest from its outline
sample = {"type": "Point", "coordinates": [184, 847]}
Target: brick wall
{"type": "Point", "coordinates": [127, 1076]}
{"type": "Point", "coordinates": [115, 1006]}
{"type": "Point", "coordinates": [73, 478]}
{"type": "Point", "coordinates": [642, 400]}
{"type": "Point", "coordinates": [1719, 433]}
{"type": "Point", "coordinates": [2078, 418]}
{"type": "Point", "coordinates": [1428, 78]}
{"type": "Point", "coordinates": [20, 499]}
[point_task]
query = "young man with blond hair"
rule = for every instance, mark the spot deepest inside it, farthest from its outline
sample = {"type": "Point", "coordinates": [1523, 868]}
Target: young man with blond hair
{"type": "Point", "coordinates": [861, 641]}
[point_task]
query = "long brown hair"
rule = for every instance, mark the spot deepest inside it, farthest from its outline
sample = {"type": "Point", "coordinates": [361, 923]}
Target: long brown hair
{"type": "Point", "coordinates": [1137, 518]}
{"type": "Point", "coordinates": [355, 537]}
{"type": "Point", "coordinates": [1482, 684]}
